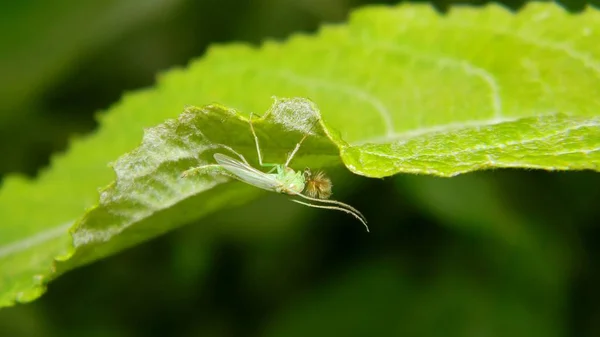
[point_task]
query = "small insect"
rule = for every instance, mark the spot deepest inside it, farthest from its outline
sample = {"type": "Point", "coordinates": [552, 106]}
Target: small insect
{"type": "Point", "coordinates": [285, 180]}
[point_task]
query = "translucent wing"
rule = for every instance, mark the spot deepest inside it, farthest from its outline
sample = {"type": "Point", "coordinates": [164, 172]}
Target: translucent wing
{"type": "Point", "coordinates": [247, 174]}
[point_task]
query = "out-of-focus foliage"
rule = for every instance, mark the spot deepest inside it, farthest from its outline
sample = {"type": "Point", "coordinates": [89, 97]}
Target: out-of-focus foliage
{"type": "Point", "coordinates": [493, 253]}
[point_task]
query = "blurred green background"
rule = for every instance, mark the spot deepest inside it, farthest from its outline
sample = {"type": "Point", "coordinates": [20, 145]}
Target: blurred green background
{"type": "Point", "coordinates": [499, 253]}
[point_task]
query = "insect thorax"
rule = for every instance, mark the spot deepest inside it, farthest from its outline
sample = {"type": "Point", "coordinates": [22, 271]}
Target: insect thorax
{"type": "Point", "coordinates": [291, 181]}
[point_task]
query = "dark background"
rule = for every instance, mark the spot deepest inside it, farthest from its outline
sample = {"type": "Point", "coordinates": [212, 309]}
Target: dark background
{"type": "Point", "coordinates": [498, 253]}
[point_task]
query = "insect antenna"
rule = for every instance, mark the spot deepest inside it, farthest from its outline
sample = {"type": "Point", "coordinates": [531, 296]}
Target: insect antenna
{"type": "Point", "coordinates": [356, 214]}
{"type": "Point", "coordinates": [318, 185]}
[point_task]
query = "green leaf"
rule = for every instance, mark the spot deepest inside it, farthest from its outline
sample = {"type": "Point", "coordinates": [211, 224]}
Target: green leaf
{"type": "Point", "coordinates": [150, 192]}
{"type": "Point", "coordinates": [408, 90]}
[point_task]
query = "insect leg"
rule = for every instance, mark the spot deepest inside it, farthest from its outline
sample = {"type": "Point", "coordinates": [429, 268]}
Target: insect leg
{"type": "Point", "coordinates": [258, 146]}
{"type": "Point", "coordinates": [334, 202]}
{"type": "Point", "coordinates": [334, 208]}
{"type": "Point", "coordinates": [236, 153]}
{"type": "Point", "coordinates": [255, 140]}
{"type": "Point", "coordinates": [289, 159]}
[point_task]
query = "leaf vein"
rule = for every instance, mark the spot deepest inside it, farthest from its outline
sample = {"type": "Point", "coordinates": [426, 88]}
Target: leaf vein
{"type": "Point", "coordinates": [444, 61]}
{"type": "Point", "coordinates": [584, 58]}
{"type": "Point", "coordinates": [481, 148]}
{"type": "Point", "coordinates": [34, 240]}
{"type": "Point", "coordinates": [349, 90]}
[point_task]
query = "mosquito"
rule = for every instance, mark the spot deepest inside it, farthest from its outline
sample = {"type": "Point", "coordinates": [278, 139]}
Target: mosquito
{"type": "Point", "coordinates": [280, 178]}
